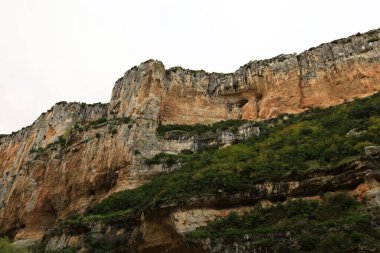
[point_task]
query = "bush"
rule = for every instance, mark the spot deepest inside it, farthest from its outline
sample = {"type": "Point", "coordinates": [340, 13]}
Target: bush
{"type": "Point", "coordinates": [307, 242]}
{"type": "Point", "coordinates": [6, 247]}
{"type": "Point", "coordinates": [106, 244]}
{"type": "Point", "coordinates": [98, 122]}
{"type": "Point", "coordinates": [200, 129]}
{"type": "Point", "coordinates": [335, 243]}
{"type": "Point", "coordinates": [61, 140]}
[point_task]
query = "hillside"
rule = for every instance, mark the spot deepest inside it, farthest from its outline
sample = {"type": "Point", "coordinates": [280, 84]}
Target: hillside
{"type": "Point", "coordinates": [308, 170]}
{"type": "Point", "coordinates": [276, 145]}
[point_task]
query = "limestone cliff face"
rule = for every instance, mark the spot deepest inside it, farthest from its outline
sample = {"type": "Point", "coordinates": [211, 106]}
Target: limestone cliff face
{"type": "Point", "coordinates": [76, 154]}
{"type": "Point", "coordinates": [39, 176]}
{"type": "Point", "coordinates": [323, 76]}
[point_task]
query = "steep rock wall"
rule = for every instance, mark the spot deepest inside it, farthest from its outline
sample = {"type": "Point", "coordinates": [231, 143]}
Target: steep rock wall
{"type": "Point", "coordinates": [329, 74]}
{"type": "Point", "coordinates": [70, 158]}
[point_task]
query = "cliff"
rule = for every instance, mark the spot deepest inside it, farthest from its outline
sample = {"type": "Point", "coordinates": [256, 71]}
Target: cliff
{"type": "Point", "coordinates": [329, 74]}
{"type": "Point", "coordinates": [75, 155]}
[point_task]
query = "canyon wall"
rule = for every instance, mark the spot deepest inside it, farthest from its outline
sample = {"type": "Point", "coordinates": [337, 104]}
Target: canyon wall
{"type": "Point", "coordinates": [75, 154]}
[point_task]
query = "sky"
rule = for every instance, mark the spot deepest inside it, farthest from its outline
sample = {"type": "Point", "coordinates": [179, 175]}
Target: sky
{"type": "Point", "coordinates": [75, 50]}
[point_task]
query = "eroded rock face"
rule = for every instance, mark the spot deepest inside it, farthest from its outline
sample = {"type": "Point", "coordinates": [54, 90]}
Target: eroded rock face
{"type": "Point", "coordinates": [188, 220]}
{"type": "Point", "coordinates": [75, 154]}
{"type": "Point", "coordinates": [329, 74]}
{"type": "Point", "coordinates": [174, 143]}
{"type": "Point", "coordinates": [326, 75]}
{"type": "Point", "coordinates": [40, 178]}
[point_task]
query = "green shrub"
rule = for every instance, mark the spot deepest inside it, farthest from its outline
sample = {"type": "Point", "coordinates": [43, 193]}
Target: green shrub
{"type": "Point", "coordinates": [110, 122]}
{"type": "Point", "coordinates": [372, 39]}
{"type": "Point", "coordinates": [124, 120]}
{"type": "Point", "coordinates": [105, 244]}
{"type": "Point", "coordinates": [65, 250]}
{"type": "Point", "coordinates": [98, 122]}
{"type": "Point", "coordinates": [307, 242]}
{"type": "Point", "coordinates": [168, 159]}
{"type": "Point", "coordinates": [7, 247]}
{"type": "Point", "coordinates": [61, 140]}
{"type": "Point", "coordinates": [39, 151]}
{"type": "Point", "coordinates": [200, 129]}
{"type": "Point", "coordinates": [335, 243]}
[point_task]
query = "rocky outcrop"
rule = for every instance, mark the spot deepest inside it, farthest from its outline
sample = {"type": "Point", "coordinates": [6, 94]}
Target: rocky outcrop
{"type": "Point", "coordinates": [186, 221]}
{"type": "Point", "coordinates": [175, 142]}
{"type": "Point", "coordinates": [75, 154]}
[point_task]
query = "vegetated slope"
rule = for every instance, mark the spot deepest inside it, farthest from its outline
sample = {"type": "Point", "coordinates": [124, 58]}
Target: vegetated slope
{"type": "Point", "coordinates": [314, 140]}
{"type": "Point", "coordinates": [338, 224]}
{"type": "Point", "coordinates": [296, 147]}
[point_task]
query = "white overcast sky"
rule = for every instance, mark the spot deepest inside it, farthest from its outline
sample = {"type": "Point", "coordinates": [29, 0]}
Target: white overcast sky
{"type": "Point", "coordinates": [74, 50]}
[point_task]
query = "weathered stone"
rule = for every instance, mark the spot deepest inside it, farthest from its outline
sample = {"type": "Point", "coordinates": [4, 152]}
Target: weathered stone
{"type": "Point", "coordinates": [355, 132]}
{"type": "Point", "coordinates": [372, 151]}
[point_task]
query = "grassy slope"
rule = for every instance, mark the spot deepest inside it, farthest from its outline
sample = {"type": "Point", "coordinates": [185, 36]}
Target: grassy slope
{"type": "Point", "coordinates": [302, 143]}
